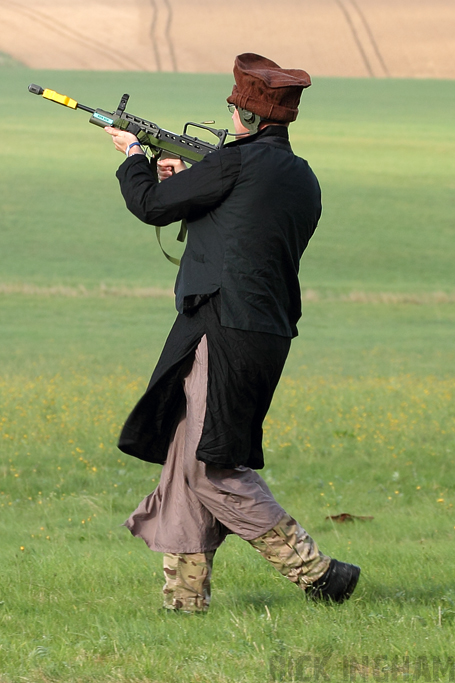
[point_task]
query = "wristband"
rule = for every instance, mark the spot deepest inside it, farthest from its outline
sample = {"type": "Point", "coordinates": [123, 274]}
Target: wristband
{"type": "Point", "coordinates": [133, 144]}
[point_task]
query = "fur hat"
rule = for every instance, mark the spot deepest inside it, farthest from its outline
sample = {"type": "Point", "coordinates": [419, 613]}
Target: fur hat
{"type": "Point", "coordinates": [264, 88]}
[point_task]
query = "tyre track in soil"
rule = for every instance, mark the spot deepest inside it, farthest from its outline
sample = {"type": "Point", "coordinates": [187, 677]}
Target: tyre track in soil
{"type": "Point", "coordinates": [152, 34]}
{"type": "Point", "coordinates": [373, 42]}
{"type": "Point", "coordinates": [361, 46]}
{"type": "Point", "coordinates": [170, 17]}
{"type": "Point", "coordinates": [58, 27]}
{"type": "Point", "coordinates": [167, 35]}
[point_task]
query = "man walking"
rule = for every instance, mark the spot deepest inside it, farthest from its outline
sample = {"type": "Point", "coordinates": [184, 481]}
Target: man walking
{"type": "Point", "coordinates": [250, 209]}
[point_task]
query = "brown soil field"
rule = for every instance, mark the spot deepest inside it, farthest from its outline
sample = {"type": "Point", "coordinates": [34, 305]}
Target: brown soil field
{"type": "Point", "coordinates": [355, 38]}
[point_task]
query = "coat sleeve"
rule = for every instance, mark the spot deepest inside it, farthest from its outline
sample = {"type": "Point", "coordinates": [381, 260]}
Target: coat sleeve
{"type": "Point", "coordinates": [199, 188]}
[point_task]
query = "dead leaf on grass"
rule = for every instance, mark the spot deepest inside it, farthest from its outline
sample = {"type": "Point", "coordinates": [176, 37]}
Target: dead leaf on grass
{"type": "Point", "coordinates": [346, 517]}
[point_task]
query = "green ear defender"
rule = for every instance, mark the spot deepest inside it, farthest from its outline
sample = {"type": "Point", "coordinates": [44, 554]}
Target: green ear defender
{"type": "Point", "coordinates": [249, 120]}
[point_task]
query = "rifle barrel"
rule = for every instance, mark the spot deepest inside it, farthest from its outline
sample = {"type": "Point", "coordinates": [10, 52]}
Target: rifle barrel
{"type": "Point", "coordinates": [82, 106]}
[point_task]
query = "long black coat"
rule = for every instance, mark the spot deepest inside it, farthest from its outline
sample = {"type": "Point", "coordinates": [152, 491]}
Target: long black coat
{"type": "Point", "coordinates": [251, 209]}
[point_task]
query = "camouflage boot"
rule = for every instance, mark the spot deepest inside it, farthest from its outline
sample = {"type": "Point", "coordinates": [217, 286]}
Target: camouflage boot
{"type": "Point", "coordinates": [187, 587]}
{"type": "Point", "coordinates": [293, 552]}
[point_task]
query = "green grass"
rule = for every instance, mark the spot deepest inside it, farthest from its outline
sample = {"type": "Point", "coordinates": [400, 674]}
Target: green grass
{"type": "Point", "coordinates": [362, 422]}
{"type": "Point", "coordinates": [81, 597]}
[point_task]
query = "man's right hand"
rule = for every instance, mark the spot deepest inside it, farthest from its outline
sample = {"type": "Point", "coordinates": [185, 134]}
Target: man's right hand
{"type": "Point", "coordinates": [167, 167]}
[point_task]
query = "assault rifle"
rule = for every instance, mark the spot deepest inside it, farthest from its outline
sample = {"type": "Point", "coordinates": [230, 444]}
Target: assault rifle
{"type": "Point", "coordinates": [184, 146]}
{"type": "Point", "coordinates": [159, 140]}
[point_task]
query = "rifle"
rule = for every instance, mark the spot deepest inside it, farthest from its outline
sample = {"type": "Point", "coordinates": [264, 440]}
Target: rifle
{"type": "Point", "coordinates": [186, 147]}
{"type": "Point", "coordinates": [149, 134]}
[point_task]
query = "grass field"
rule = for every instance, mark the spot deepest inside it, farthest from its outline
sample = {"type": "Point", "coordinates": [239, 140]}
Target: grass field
{"type": "Point", "coordinates": [362, 423]}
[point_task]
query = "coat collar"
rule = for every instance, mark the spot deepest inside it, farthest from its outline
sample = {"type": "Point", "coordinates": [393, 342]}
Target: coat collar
{"type": "Point", "coordinates": [274, 135]}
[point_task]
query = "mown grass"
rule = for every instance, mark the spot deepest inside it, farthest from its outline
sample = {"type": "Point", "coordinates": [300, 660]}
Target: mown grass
{"type": "Point", "coordinates": [362, 422]}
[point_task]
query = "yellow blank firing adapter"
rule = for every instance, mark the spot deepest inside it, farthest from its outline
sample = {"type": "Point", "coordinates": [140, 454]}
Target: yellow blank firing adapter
{"type": "Point", "coordinates": [52, 95]}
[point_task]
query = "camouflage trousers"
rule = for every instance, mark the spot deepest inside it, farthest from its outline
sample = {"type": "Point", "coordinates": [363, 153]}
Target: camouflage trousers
{"type": "Point", "coordinates": [287, 547]}
{"type": "Point", "coordinates": [292, 552]}
{"type": "Point", "coordinates": [187, 587]}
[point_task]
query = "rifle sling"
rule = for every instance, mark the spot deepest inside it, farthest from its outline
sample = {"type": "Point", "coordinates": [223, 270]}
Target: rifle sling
{"type": "Point", "coordinates": [180, 237]}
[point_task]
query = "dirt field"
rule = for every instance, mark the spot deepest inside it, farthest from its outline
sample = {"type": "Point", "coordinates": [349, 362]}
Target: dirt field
{"type": "Point", "coordinates": [376, 38]}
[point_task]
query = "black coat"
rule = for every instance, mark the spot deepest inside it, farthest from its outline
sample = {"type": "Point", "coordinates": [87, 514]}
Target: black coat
{"type": "Point", "coordinates": [244, 369]}
{"type": "Point", "coordinates": [251, 209]}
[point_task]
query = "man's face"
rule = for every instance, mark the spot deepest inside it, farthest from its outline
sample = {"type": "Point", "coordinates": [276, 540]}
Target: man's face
{"type": "Point", "coordinates": [238, 125]}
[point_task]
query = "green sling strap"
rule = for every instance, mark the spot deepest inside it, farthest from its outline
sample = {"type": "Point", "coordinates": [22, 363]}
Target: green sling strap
{"type": "Point", "coordinates": [180, 237]}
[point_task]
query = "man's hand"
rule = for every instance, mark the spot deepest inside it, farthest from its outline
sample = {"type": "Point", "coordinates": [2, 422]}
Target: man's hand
{"type": "Point", "coordinates": [121, 140]}
{"type": "Point", "coordinates": [167, 167]}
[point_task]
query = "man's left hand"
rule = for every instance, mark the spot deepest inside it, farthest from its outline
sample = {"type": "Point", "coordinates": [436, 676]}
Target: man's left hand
{"type": "Point", "coordinates": [121, 140]}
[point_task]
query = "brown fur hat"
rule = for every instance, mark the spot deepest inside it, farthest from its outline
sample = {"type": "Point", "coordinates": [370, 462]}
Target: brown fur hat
{"type": "Point", "coordinates": [264, 88]}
